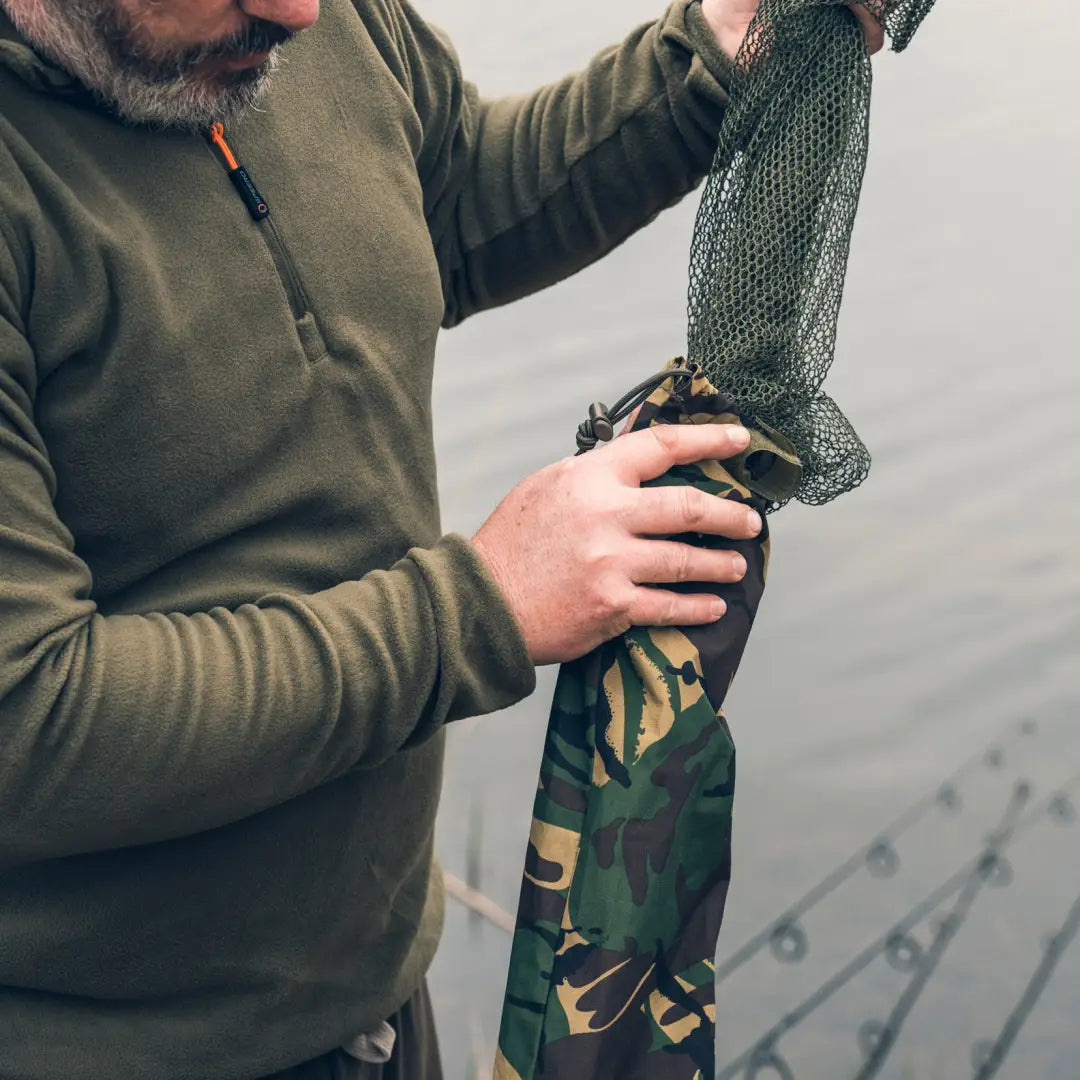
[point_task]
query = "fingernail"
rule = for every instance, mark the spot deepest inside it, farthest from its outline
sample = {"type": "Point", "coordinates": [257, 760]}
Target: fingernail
{"type": "Point", "coordinates": [718, 609]}
{"type": "Point", "coordinates": [753, 519]}
{"type": "Point", "coordinates": [738, 564]}
{"type": "Point", "coordinates": [740, 435]}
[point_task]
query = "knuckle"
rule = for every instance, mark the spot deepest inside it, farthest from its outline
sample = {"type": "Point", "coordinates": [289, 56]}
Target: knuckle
{"type": "Point", "coordinates": [562, 468]}
{"type": "Point", "coordinates": [694, 510]}
{"type": "Point", "coordinates": [608, 604]}
{"type": "Point", "coordinates": [683, 557]}
{"type": "Point", "coordinates": [615, 612]}
{"type": "Point", "coordinates": [672, 610]}
{"type": "Point", "coordinates": [558, 479]}
{"type": "Point", "coordinates": [644, 607]}
{"type": "Point", "coordinates": [589, 502]}
{"type": "Point", "coordinates": [597, 559]}
{"type": "Point", "coordinates": [667, 435]}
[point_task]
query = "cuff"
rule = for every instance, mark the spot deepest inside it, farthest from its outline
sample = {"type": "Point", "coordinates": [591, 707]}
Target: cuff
{"type": "Point", "coordinates": [716, 63]}
{"type": "Point", "coordinates": [699, 75]}
{"type": "Point", "coordinates": [483, 663]}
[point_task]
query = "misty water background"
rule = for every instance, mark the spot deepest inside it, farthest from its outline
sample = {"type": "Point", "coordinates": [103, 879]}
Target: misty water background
{"type": "Point", "coordinates": [907, 626]}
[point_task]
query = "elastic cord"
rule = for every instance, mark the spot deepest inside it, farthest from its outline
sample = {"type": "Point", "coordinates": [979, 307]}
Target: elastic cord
{"type": "Point", "coordinates": [600, 427]}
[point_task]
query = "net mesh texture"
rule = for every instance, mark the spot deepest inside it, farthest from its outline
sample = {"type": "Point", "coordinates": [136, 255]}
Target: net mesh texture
{"type": "Point", "coordinates": [770, 247]}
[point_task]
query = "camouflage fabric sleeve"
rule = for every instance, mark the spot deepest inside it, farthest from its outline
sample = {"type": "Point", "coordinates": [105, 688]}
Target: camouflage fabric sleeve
{"type": "Point", "coordinates": [629, 857]}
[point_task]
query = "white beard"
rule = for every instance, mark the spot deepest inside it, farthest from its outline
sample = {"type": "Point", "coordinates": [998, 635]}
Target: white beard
{"type": "Point", "coordinates": [90, 40]}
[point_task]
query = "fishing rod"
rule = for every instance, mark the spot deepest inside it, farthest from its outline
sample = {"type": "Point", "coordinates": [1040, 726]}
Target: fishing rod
{"type": "Point", "coordinates": [903, 951]}
{"type": "Point", "coordinates": [787, 939]}
{"type": "Point", "coordinates": [989, 868]}
{"type": "Point", "coordinates": [987, 1057]}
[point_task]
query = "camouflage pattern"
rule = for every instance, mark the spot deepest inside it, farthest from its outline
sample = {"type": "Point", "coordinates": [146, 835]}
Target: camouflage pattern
{"type": "Point", "coordinates": [629, 858]}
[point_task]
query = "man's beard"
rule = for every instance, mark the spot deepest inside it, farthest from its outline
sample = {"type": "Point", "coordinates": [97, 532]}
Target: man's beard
{"type": "Point", "coordinates": [100, 45]}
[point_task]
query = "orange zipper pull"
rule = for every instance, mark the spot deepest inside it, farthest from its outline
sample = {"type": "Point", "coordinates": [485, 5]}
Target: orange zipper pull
{"type": "Point", "coordinates": [243, 183]}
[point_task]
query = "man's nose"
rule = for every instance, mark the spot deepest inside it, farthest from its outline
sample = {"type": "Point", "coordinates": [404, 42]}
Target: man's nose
{"type": "Point", "coordinates": [295, 15]}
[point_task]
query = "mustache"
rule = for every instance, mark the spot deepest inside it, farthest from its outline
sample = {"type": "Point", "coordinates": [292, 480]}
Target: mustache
{"type": "Point", "coordinates": [257, 36]}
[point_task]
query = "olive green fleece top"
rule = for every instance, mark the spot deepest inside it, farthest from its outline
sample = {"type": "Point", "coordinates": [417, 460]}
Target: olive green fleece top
{"type": "Point", "coordinates": [230, 631]}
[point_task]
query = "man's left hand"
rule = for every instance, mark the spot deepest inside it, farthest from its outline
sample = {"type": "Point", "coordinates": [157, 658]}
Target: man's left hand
{"type": "Point", "coordinates": [730, 19]}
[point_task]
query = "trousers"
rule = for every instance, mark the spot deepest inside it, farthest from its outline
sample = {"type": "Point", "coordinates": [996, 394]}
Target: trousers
{"type": "Point", "coordinates": [415, 1055]}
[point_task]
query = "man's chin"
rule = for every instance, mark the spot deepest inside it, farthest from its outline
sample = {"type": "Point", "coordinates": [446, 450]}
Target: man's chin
{"type": "Point", "coordinates": [194, 103]}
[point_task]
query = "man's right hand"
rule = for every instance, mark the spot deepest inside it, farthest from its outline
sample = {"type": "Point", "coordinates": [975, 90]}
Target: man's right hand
{"type": "Point", "coordinates": [573, 546]}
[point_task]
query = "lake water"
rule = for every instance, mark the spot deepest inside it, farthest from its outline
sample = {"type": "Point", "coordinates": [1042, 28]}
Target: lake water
{"type": "Point", "coordinates": [908, 627]}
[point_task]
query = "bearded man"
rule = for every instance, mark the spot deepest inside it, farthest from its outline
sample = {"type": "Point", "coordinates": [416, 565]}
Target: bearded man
{"type": "Point", "coordinates": [231, 634]}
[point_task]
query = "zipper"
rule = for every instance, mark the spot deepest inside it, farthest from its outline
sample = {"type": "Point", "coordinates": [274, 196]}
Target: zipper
{"type": "Point", "coordinates": [259, 210]}
{"type": "Point", "coordinates": [286, 268]}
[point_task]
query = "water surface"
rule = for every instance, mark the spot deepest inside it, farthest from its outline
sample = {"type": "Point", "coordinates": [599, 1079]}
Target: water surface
{"type": "Point", "coordinates": [908, 626]}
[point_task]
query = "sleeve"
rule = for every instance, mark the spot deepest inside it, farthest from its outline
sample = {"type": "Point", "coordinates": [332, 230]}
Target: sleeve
{"type": "Point", "coordinates": [121, 730]}
{"type": "Point", "coordinates": [524, 191]}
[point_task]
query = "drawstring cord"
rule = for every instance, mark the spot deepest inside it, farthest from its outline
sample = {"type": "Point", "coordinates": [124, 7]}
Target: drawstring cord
{"type": "Point", "coordinates": [600, 427]}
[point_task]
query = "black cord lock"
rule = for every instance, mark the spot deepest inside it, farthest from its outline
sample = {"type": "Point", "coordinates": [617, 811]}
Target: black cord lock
{"type": "Point", "coordinates": [600, 427]}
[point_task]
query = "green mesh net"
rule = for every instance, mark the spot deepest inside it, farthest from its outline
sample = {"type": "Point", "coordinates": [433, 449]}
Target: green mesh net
{"type": "Point", "coordinates": [771, 243]}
